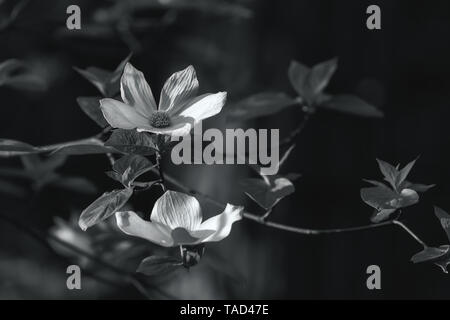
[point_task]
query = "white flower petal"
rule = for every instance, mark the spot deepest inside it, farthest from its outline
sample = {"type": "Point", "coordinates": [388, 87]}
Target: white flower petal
{"type": "Point", "coordinates": [222, 223]}
{"type": "Point", "coordinates": [204, 106]}
{"type": "Point", "coordinates": [180, 126]}
{"type": "Point", "coordinates": [177, 210]}
{"type": "Point", "coordinates": [133, 225]}
{"type": "Point", "coordinates": [120, 115]}
{"type": "Point", "coordinates": [178, 89]}
{"type": "Point", "coordinates": [182, 236]}
{"type": "Point", "coordinates": [136, 92]}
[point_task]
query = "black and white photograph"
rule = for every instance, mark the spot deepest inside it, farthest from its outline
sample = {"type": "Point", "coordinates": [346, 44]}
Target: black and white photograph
{"type": "Point", "coordinates": [236, 151]}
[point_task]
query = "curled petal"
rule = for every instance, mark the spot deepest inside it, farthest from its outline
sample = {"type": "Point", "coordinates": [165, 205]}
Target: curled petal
{"type": "Point", "coordinates": [178, 89]}
{"type": "Point", "coordinates": [221, 224]}
{"type": "Point", "coordinates": [204, 106]}
{"type": "Point", "coordinates": [136, 92]}
{"type": "Point", "coordinates": [133, 225]}
{"type": "Point", "coordinates": [120, 115]}
{"type": "Point", "coordinates": [177, 210]}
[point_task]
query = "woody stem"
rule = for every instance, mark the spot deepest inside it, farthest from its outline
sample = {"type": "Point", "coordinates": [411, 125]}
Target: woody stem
{"type": "Point", "coordinates": [160, 171]}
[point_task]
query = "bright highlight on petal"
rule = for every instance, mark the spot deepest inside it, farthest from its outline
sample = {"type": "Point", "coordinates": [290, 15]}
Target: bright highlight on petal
{"type": "Point", "coordinates": [135, 91]}
{"type": "Point", "coordinates": [120, 115]}
{"type": "Point", "coordinates": [133, 225]}
{"type": "Point", "coordinates": [176, 220]}
{"type": "Point", "coordinates": [177, 210]}
{"type": "Point", "coordinates": [221, 224]}
{"type": "Point", "coordinates": [178, 89]}
{"type": "Point", "coordinates": [204, 106]}
{"type": "Point", "coordinates": [179, 109]}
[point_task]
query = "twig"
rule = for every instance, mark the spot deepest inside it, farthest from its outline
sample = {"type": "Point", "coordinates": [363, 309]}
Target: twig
{"type": "Point", "coordinates": [297, 131]}
{"type": "Point", "coordinates": [160, 171]}
{"type": "Point", "coordinates": [139, 287]}
{"type": "Point", "coordinates": [261, 220]}
{"type": "Point", "coordinates": [410, 232]}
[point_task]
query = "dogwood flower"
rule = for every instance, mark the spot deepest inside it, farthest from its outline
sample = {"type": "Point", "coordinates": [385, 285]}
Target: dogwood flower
{"type": "Point", "coordinates": [179, 106]}
{"type": "Point", "coordinates": [176, 219]}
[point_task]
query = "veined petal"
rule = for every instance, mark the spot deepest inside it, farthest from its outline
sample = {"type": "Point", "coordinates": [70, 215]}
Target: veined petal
{"type": "Point", "coordinates": [135, 91]}
{"type": "Point", "coordinates": [133, 225]}
{"type": "Point", "coordinates": [120, 115]}
{"type": "Point", "coordinates": [180, 126]}
{"type": "Point", "coordinates": [177, 210]}
{"type": "Point", "coordinates": [222, 223]}
{"type": "Point", "coordinates": [204, 106]}
{"type": "Point", "coordinates": [178, 89]}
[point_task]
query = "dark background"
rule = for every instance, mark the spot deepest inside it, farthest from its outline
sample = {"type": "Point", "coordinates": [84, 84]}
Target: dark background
{"type": "Point", "coordinates": [403, 69]}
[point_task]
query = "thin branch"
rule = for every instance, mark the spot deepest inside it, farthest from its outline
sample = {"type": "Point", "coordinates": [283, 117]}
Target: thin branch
{"type": "Point", "coordinates": [139, 287]}
{"type": "Point", "coordinates": [297, 131]}
{"type": "Point", "coordinates": [410, 232]}
{"type": "Point", "coordinates": [261, 220]}
{"type": "Point", "coordinates": [160, 171]}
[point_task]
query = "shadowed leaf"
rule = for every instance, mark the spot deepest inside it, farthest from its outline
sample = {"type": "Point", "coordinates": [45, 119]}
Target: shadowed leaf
{"type": "Point", "coordinates": [157, 265]}
{"type": "Point", "coordinates": [91, 106]}
{"type": "Point", "coordinates": [131, 141]}
{"type": "Point", "coordinates": [259, 105]}
{"type": "Point", "coordinates": [105, 81]}
{"type": "Point", "coordinates": [310, 82]}
{"type": "Point", "coordinates": [104, 207]}
{"type": "Point", "coordinates": [131, 167]}
{"type": "Point", "coordinates": [267, 194]}
{"type": "Point", "coordinates": [19, 75]}
{"type": "Point", "coordinates": [351, 104]}
{"type": "Point", "coordinates": [444, 219]}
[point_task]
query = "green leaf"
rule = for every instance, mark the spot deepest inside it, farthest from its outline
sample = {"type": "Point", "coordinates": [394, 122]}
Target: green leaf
{"type": "Point", "coordinates": [91, 106]}
{"type": "Point", "coordinates": [352, 105]}
{"type": "Point", "coordinates": [18, 75]}
{"type": "Point", "coordinates": [403, 173]}
{"type": "Point", "coordinates": [131, 167]}
{"type": "Point", "coordinates": [131, 141]}
{"type": "Point", "coordinates": [416, 186]}
{"type": "Point", "coordinates": [389, 172]}
{"type": "Point", "coordinates": [375, 183]}
{"type": "Point", "coordinates": [114, 175]}
{"type": "Point", "coordinates": [259, 105]}
{"type": "Point", "coordinates": [431, 254]}
{"type": "Point", "coordinates": [444, 219]}
{"type": "Point", "coordinates": [381, 215]}
{"type": "Point", "coordinates": [310, 82]}
{"type": "Point", "coordinates": [320, 75]}
{"type": "Point", "coordinates": [387, 201]}
{"type": "Point", "coordinates": [379, 197]}
{"type": "Point", "coordinates": [107, 82]}
{"type": "Point", "coordinates": [98, 77]}
{"type": "Point", "coordinates": [104, 207]}
{"type": "Point", "coordinates": [158, 265]}
{"type": "Point", "coordinates": [267, 193]}
{"type": "Point", "coordinates": [439, 256]}
{"type": "Point", "coordinates": [298, 74]}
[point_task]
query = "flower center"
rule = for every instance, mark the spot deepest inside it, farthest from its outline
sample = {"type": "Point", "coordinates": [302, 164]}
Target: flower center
{"type": "Point", "coordinates": [159, 119]}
